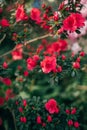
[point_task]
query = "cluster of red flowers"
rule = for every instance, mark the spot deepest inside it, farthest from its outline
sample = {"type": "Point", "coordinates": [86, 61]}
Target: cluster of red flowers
{"type": "Point", "coordinates": [51, 108]}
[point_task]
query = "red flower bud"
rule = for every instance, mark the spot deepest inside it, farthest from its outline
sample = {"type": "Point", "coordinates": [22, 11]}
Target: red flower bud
{"type": "Point", "coordinates": [82, 53]}
{"type": "Point", "coordinates": [24, 103]}
{"type": "Point", "coordinates": [5, 65]}
{"type": "Point", "coordinates": [38, 120]}
{"type": "Point", "coordinates": [76, 124]}
{"type": "Point", "coordinates": [70, 122]}
{"type": "Point", "coordinates": [73, 111]}
{"type": "Point", "coordinates": [67, 111]}
{"type": "Point", "coordinates": [76, 65]}
{"type": "Point", "coordinates": [49, 118]}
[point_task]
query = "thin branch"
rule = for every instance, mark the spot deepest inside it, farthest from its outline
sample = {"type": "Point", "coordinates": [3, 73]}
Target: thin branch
{"type": "Point", "coordinates": [1, 40]}
{"type": "Point", "coordinates": [26, 43]}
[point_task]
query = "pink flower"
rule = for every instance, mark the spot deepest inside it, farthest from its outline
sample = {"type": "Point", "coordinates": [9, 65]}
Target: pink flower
{"type": "Point", "coordinates": [4, 22]}
{"type": "Point", "coordinates": [24, 103]}
{"type": "Point", "coordinates": [38, 120]}
{"type": "Point", "coordinates": [17, 53]}
{"type": "Point", "coordinates": [48, 64]}
{"type": "Point", "coordinates": [35, 14]}
{"type": "Point", "coordinates": [31, 64]}
{"type": "Point", "coordinates": [67, 111]}
{"type": "Point", "coordinates": [20, 14]}
{"type": "Point", "coordinates": [51, 106]}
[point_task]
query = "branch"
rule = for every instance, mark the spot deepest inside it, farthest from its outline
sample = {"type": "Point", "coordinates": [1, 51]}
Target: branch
{"type": "Point", "coordinates": [2, 38]}
{"type": "Point", "coordinates": [26, 43]}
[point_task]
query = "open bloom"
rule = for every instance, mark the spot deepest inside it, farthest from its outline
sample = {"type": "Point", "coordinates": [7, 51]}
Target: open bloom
{"type": "Point", "coordinates": [20, 14]}
{"type": "Point", "coordinates": [73, 22]}
{"type": "Point", "coordinates": [51, 106]}
{"type": "Point", "coordinates": [35, 15]}
{"type": "Point", "coordinates": [48, 64]}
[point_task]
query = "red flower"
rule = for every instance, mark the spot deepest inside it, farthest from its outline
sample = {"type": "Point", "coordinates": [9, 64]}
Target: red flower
{"type": "Point", "coordinates": [5, 65]}
{"type": "Point", "coordinates": [43, 124]}
{"type": "Point", "coordinates": [59, 69]}
{"type": "Point", "coordinates": [20, 14]}
{"type": "Point", "coordinates": [70, 122]}
{"type": "Point", "coordinates": [24, 103]}
{"type": "Point", "coordinates": [73, 21]}
{"type": "Point", "coordinates": [6, 81]}
{"type": "Point", "coordinates": [31, 64]}
{"type": "Point", "coordinates": [23, 119]}
{"type": "Point", "coordinates": [76, 65]}
{"type": "Point", "coordinates": [9, 94]}
{"type": "Point", "coordinates": [67, 111]}
{"type": "Point", "coordinates": [51, 106]}
{"type": "Point", "coordinates": [82, 53]}
{"type": "Point", "coordinates": [17, 53]}
{"type": "Point", "coordinates": [38, 120]}
{"type": "Point", "coordinates": [76, 124]}
{"type": "Point", "coordinates": [49, 118]}
{"type": "Point", "coordinates": [1, 101]}
{"type": "Point", "coordinates": [20, 109]}
{"type": "Point", "coordinates": [69, 24]}
{"type": "Point", "coordinates": [73, 111]}
{"type": "Point", "coordinates": [26, 73]}
{"type": "Point", "coordinates": [79, 19]}
{"type": "Point", "coordinates": [35, 14]}
{"type": "Point", "coordinates": [48, 64]}
{"type": "Point", "coordinates": [4, 22]}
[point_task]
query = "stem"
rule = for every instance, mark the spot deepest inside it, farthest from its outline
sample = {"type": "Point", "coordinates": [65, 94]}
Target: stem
{"type": "Point", "coordinates": [13, 117]}
{"type": "Point", "coordinates": [26, 43]}
{"type": "Point", "coordinates": [1, 40]}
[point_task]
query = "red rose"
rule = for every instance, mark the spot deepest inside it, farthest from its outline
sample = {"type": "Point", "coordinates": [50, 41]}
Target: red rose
{"type": "Point", "coordinates": [49, 118]}
{"type": "Point", "coordinates": [1, 101]}
{"type": "Point", "coordinates": [76, 124]}
{"type": "Point", "coordinates": [23, 119]}
{"type": "Point", "coordinates": [51, 106]}
{"type": "Point", "coordinates": [43, 124]}
{"type": "Point", "coordinates": [70, 122]}
{"type": "Point", "coordinates": [48, 64]}
{"type": "Point", "coordinates": [4, 22]}
{"type": "Point", "coordinates": [82, 53]}
{"type": "Point", "coordinates": [20, 14]}
{"type": "Point", "coordinates": [38, 120]}
{"type": "Point", "coordinates": [35, 14]}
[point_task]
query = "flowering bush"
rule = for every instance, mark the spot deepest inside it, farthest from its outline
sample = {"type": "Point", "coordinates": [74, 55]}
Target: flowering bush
{"type": "Point", "coordinates": [22, 64]}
